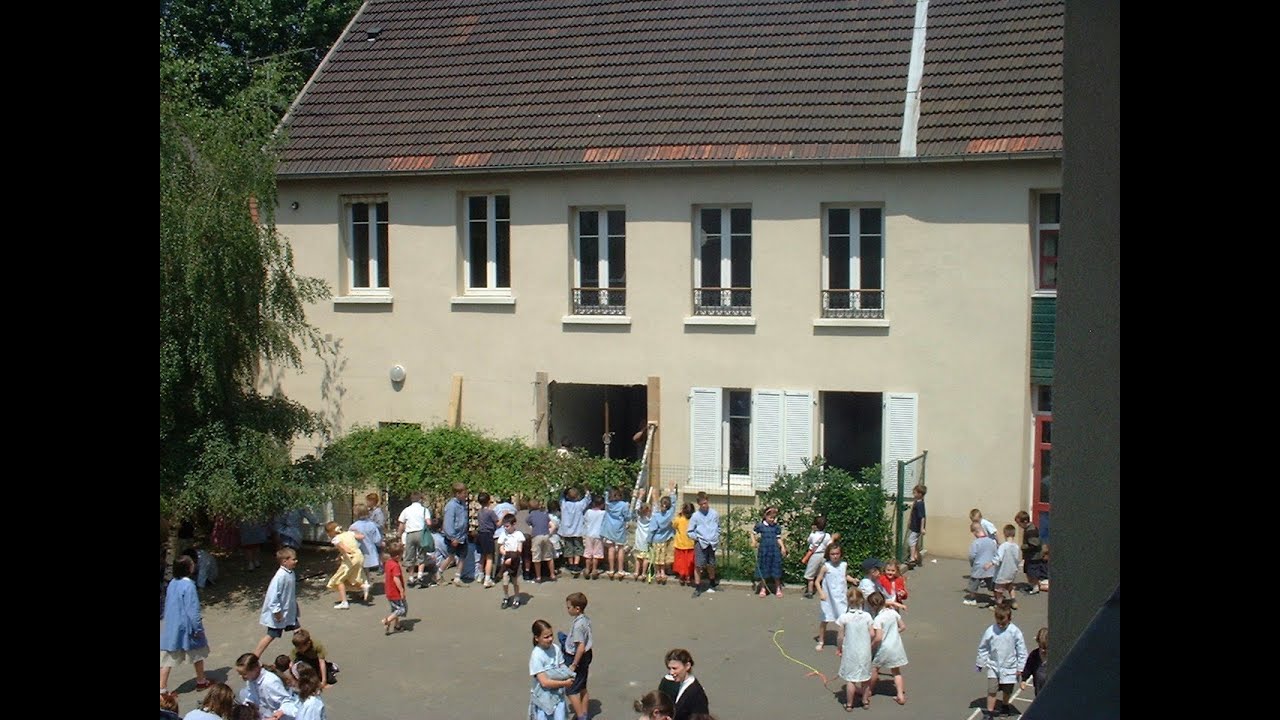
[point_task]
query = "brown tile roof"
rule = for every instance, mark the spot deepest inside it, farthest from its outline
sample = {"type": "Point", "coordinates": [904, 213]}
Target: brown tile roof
{"type": "Point", "coordinates": [456, 84]}
{"type": "Point", "coordinates": [992, 77]}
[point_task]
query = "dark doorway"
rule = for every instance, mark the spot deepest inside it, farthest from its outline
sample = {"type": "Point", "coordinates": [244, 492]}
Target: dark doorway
{"type": "Point", "coordinates": [851, 430]}
{"type": "Point", "coordinates": [579, 414]}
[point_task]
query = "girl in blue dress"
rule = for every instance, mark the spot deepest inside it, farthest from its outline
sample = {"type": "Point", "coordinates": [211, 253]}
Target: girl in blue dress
{"type": "Point", "coordinates": [770, 549]}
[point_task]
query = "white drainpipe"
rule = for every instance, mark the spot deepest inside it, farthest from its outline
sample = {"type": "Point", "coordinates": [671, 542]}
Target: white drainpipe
{"type": "Point", "coordinates": [915, 73]}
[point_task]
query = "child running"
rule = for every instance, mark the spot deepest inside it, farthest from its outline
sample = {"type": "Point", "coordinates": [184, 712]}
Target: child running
{"type": "Point", "coordinates": [350, 570]}
{"type": "Point", "coordinates": [395, 588]}
{"type": "Point", "coordinates": [890, 655]}
{"type": "Point", "coordinates": [280, 606]}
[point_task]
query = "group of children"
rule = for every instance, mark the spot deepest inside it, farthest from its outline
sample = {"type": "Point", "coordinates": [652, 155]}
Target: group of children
{"type": "Point", "coordinates": [995, 567]}
{"type": "Point", "coordinates": [292, 686]}
{"type": "Point", "coordinates": [867, 612]}
{"type": "Point", "coordinates": [868, 622]}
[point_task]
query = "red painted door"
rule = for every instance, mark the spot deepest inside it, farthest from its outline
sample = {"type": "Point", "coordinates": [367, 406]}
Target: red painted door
{"type": "Point", "coordinates": [1043, 469]}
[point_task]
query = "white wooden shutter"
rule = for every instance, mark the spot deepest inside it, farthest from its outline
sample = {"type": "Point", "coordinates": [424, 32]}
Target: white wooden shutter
{"type": "Point", "coordinates": [706, 415]}
{"type": "Point", "coordinates": [798, 438]}
{"type": "Point", "coordinates": [766, 437]}
{"type": "Point", "coordinates": [899, 436]}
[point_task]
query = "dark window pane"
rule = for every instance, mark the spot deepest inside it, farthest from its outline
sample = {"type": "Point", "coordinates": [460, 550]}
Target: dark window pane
{"type": "Point", "coordinates": [869, 221]}
{"type": "Point", "coordinates": [739, 403]}
{"type": "Point", "coordinates": [502, 207]}
{"type": "Point", "coordinates": [384, 258]}
{"type": "Point", "coordinates": [1048, 243]}
{"type": "Point", "coordinates": [1048, 275]}
{"type": "Point", "coordinates": [741, 266]}
{"type": "Point", "coordinates": [1045, 474]}
{"type": "Point", "coordinates": [589, 261]}
{"type": "Point", "coordinates": [479, 249]}
{"type": "Point", "coordinates": [360, 256]}
{"type": "Point", "coordinates": [740, 221]}
{"type": "Point", "coordinates": [711, 262]}
{"type": "Point", "coordinates": [1051, 208]}
{"type": "Point", "coordinates": [503, 253]}
{"type": "Point", "coordinates": [617, 261]}
{"type": "Point", "coordinates": [617, 222]}
{"type": "Point", "coordinates": [711, 221]}
{"type": "Point", "coordinates": [588, 223]}
{"type": "Point", "coordinates": [838, 263]}
{"type": "Point", "coordinates": [1045, 404]}
{"type": "Point", "coordinates": [739, 445]}
{"type": "Point", "coordinates": [870, 264]}
{"type": "Point", "coordinates": [477, 207]}
{"type": "Point", "coordinates": [360, 212]}
{"type": "Point", "coordinates": [838, 221]}
{"type": "Point", "coordinates": [384, 214]}
{"type": "Point", "coordinates": [1046, 433]}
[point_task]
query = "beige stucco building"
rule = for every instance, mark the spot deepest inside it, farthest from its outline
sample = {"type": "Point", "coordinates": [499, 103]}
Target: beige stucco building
{"type": "Point", "coordinates": [952, 344]}
{"type": "Point", "coordinates": [816, 230]}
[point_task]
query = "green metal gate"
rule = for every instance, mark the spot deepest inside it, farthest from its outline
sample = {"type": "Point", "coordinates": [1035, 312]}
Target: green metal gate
{"type": "Point", "coordinates": [910, 474]}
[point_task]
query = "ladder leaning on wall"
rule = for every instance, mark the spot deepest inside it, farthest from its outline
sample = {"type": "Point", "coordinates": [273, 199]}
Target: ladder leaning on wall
{"type": "Point", "coordinates": [641, 493]}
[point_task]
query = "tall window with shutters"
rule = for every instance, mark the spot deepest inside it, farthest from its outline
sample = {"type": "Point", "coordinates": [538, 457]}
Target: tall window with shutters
{"type": "Point", "coordinates": [741, 439]}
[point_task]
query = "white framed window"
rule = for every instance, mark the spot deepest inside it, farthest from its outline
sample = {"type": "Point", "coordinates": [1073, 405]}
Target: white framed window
{"type": "Point", "coordinates": [853, 262]}
{"type": "Point", "coordinates": [1048, 224]}
{"type": "Point", "coordinates": [722, 261]}
{"type": "Point", "coordinates": [600, 262]}
{"type": "Point", "coordinates": [487, 244]}
{"type": "Point", "coordinates": [368, 245]}
{"type": "Point", "coordinates": [744, 438]}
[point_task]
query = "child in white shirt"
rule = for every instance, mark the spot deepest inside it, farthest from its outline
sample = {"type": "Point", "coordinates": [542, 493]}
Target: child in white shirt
{"type": "Point", "coordinates": [819, 539]}
{"type": "Point", "coordinates": [1007, 561]}
{"type": "Point", "coordinates": [511, 541]}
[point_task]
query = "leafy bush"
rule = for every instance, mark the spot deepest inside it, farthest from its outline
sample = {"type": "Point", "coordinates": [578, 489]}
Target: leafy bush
{"type": "Point", "coordinates": [854, 507]}
{"type": "Point", "coordinates": [406, 458]}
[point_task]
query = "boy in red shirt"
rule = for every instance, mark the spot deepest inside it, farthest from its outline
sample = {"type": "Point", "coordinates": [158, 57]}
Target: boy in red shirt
{"type": "Point", "coordinates": [395, 588]}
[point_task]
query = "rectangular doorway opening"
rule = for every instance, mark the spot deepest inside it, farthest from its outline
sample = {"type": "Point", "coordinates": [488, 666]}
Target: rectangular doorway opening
{"type": "Point", "coordinates": [852, 430]}
{"type": "Point", "coordinates": [581, 414]}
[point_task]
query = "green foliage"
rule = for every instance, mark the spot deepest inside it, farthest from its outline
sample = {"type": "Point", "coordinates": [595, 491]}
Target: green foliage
{"type": "Point", "coordinates": [854, 507]}
{"type": "Point", "coordinates": [405, 458]}
{"type": "Point", "coordinates": [215, 48]}
{"type": "Point", "coordinates": [229, 296]}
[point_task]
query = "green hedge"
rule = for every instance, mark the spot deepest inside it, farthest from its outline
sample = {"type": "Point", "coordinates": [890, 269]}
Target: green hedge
{"type": "Point", "coordinates": [407, 458]}
{"type": "Point", "coordinates": [854, 507]}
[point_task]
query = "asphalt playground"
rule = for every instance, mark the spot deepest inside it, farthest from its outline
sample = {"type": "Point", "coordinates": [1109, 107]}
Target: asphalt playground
{"type": "Point", "coordinates": [461, 656]}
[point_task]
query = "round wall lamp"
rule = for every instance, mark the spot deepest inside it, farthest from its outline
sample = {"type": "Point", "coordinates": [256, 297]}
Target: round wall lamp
{"type": "Point", "coordinates": [293, 205]}
{"type": "Point", "coordinates": [397, 373]}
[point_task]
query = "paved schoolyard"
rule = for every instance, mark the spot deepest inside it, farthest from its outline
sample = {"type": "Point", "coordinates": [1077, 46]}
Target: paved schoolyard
{"type": "Point", "coordinates": [466, 658]}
